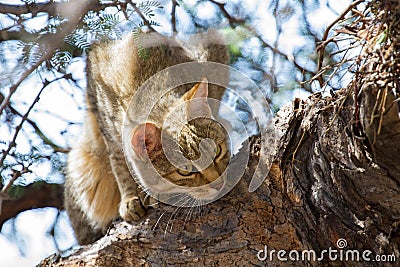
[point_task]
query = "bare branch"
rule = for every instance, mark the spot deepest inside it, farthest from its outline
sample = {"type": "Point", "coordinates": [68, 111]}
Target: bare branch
{"type": "Point", "coordinates": [24, 118]}
{"type": "Point", "coordinates": [234, 21]}
{"type": "Point", "coordinates": [55, 41]}
{"type": "Point", "coordinates": [325, 37]}
{"type": "Point", "coordinates": [145, 21]}
{"type": "Point", "coordinates": [35, 196]}
{"type": "Point", "coordinates": [51, 8]}
{"type": "Point", "coordinates": [17, 34]}
{"type": "Point", "coordinates": [15, 176]}
{"type": "Point", "coordinates": [40, 133]}
{"type": "Point", "coordinates": [173, 16]}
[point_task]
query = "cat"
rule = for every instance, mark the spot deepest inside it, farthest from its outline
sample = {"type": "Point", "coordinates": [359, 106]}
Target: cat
{"type": "Point", "coordinates": [99, 187]}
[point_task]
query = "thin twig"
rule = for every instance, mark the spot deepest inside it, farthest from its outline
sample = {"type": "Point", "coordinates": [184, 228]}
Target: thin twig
{"type": "Point", "coordinates": [173, 16]}
{"type": "Point", "coordinates": [145, 21]}
{"type": "Point", "coordinates": [40, 133]}
{"type": "Point", "coordinates": [52, 8]}
{"type": "Point", "coordinates": [54, 41]}
{"type": "Point", "coordinates": [234, 21]}
{"type": "Point", "coordinates": [326, 33]}
{"type": "Point", "coordinates": [24, 118]}
{"type": "Point", "coordinates": [15, 176]}
{"type": "Point", "coordinates": [275, 46]}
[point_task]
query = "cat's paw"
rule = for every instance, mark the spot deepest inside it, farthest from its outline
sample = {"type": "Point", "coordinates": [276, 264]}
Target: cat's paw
{"type": "Point", "coordinates": [131, 209]}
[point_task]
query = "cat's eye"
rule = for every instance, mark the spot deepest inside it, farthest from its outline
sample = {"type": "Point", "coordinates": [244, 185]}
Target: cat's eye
{"type": "Point", "coordinates": [217, 150]}
{"type": "Point", "coordinates": [186, 171]}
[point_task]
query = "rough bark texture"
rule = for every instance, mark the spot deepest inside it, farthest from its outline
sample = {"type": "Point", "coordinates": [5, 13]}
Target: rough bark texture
{"type": "Point", "coordinates": [325, 186]}
{"type": "Point", "coordinates": [336, 188]}
{"type": "Point", "coordinates": [228, 232]}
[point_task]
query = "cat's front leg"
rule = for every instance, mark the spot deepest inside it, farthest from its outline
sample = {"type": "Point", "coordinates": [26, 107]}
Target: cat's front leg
{"type": "Point", "coordinates": [132, 206]}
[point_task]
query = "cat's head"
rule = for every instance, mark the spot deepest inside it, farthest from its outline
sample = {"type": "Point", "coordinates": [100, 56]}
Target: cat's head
{"type": "Point", "coordinates": [195, 155]}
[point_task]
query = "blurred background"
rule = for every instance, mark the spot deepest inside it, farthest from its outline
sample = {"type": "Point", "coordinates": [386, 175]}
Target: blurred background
{"type": "Point", "coordinates": [43, 48]}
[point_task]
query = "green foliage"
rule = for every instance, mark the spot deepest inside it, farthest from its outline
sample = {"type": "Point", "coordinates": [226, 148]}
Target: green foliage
{"type": "Point", "coordinates": [235, 36]}
{"type": "Point", "coordinates": [147, 7]}
{"type": "Point", "coordinates": [95, 27]}
{"type": "Point", "coordinates": [143, 52]}
{"type": "Point", "coordinates": [137, 32]}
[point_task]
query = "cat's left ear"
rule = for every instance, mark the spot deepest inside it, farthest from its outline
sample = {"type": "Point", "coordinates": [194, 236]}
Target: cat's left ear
{"type": "Point", "coordinates": [198, 106]}
{"type": "Point", "coordinates": [146, 139]}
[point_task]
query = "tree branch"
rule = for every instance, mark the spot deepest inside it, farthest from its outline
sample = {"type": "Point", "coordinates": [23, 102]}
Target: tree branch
{"type": "Point", "coordinates": [52, 8]}
{"type": "Point", "coordinates": [321, 48]}
{"type": "Point", "coordinates": [77, 10]}
{"type": "Point", "coordinates": [36, 195]}
{"type": "Point", "coordinates": [24, 118]}
{"type": "Point", "coordinates": [321, 191]}
{"type": "Point", "coordinates": [145, 21]}
{"type": "Point", "coordinates": [173, 16]}
{"type": "Point", "coordinates": [234, 21]}
{"type": "Point", "coordinates": [42, 135]}
{"type": "Point", "coordinates": [17, 34]}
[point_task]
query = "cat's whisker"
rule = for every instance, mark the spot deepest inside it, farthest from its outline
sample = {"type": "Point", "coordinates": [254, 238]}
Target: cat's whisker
{"type": "Point", "coordinates": [154, 204]}
{"type": "Point", "coordinates": [195, 207]}
{"type": "Point", "coordinates": [159, 218]}
{"type": "Point", "coordinates": [186, 199]}
{"type": "Point", "coordinates": [173, 205]}
{"type": "Point", "coordinates": [169, 207]}
{"type": "Point", "coordinates": [189, 214]}
{"type": "Point", "coordinates": [201, 207]}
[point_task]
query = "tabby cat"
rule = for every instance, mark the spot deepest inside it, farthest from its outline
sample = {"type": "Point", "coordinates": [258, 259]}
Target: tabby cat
{"type": "Point", "coordinates": [99, 186]}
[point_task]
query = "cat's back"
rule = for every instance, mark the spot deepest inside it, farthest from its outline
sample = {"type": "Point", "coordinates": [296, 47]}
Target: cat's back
{"type": "Point", "coordinates": [123, 65]}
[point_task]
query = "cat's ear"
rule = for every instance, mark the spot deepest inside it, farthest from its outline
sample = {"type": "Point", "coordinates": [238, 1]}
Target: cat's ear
{"type": "Point", "coordinates": [146, 139]}
{"type": "Point", "coordinates": [198, 107]}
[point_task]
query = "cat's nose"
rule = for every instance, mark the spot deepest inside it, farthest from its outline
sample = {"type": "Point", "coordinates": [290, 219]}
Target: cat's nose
{"type": "Point", "coordinates": [218, 185]}
{"type": "Point", "coordinates": [210, 173]}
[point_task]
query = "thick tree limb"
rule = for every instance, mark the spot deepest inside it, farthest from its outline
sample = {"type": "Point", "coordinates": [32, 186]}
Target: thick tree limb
{"type": "Point", "coordinates": [17, 34]}
{"type": "Point", "coordinates": [34, 196]}
{"type": "Point", "coordinates": [323, 188]}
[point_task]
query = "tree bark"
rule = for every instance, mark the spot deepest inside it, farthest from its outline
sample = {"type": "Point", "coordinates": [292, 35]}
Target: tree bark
{"type": "Point", "coordinates": [323, 187]}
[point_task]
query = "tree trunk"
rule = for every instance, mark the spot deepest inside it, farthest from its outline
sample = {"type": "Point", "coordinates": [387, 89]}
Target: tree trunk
{"type": "Point", "coordinates": [325, 186]}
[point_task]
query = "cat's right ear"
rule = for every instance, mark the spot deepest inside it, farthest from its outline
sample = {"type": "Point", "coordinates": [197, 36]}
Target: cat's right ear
{"type": "Point", "coordinates": [146, 139]}
{"type": "Point", "coordinates": [198, 105]}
